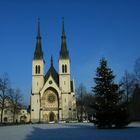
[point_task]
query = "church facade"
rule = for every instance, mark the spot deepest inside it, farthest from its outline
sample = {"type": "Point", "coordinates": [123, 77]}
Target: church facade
{"type": "Point", "coordinates": [53, 93]}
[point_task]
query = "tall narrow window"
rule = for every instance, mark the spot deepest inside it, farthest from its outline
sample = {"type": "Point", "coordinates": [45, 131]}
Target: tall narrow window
{"type": "Point", "coordinates": [65, 68]}
{"type": "Point", "coordinates": [38, 69]}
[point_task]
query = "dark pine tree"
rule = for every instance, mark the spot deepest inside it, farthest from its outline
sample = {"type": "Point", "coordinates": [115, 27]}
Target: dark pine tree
{"type": "Point", "coordinates": [108, 99]}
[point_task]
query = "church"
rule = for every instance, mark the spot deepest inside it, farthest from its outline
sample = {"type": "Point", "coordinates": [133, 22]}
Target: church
{"type": "Point", "coordinates": [53, 93]}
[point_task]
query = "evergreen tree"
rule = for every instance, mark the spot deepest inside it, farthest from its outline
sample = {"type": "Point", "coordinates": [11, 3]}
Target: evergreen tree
{"type": "Point", "coordinates": [108, 99]}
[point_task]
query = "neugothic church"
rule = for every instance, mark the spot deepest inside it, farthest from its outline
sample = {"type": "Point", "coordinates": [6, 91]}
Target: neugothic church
{"type": "Point", "coordinates": [53, 93]}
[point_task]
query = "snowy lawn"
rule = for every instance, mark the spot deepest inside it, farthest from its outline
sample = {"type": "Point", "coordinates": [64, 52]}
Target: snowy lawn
{"type": "Point", "coordinates": [68, 131]}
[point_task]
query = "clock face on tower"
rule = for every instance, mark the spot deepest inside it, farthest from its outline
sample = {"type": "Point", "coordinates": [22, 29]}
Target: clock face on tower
{"type": "Point", "coordinates": [51, 98]}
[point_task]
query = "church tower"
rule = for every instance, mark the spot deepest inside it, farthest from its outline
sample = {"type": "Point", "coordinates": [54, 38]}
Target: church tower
{"type": "Point", "coordinates": [64, 75]}
{"type": "Point", "coordinates": [37, 78]}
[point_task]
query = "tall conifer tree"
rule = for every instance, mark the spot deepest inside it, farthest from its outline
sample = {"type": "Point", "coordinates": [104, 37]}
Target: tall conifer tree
{"type": "Point", "coordinates": [107, 98]}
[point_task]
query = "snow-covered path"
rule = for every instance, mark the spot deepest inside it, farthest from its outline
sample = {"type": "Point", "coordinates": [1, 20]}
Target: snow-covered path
{"type": "Point", "coordinates": [68, 131]}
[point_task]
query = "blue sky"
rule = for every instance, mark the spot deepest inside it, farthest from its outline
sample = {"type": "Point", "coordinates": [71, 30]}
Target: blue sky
{"type": "Point", "coordinates": [94, 29]}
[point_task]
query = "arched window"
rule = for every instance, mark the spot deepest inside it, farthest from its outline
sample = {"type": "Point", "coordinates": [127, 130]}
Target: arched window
{"type": "Point", "coordinates": [38, 69]}
{"type": "Point", "coordinates": [65, 68]}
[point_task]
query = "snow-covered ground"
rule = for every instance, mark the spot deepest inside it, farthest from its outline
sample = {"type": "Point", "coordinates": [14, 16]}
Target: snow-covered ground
{"type": "Point", "coordinates": [68, 131]}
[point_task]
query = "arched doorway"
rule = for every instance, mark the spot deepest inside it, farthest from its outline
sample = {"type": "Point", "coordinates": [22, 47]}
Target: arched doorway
{"type": "Point", "coordinates": [51, 117]}
{"type": "Point", "coordinates": [23, 119]}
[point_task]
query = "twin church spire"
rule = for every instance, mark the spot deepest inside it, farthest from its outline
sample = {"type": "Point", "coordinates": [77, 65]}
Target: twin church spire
{"type": "Point", "coordinates": [64, 54]}
{"type": "Point", "coordinates": [38, 54]}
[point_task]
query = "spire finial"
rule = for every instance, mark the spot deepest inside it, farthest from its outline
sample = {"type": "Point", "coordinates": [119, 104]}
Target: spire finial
{"type": "Point", "coordinates": [51, 60]}
{"type": "Point", "coordinates": [38, 34]}
{"type": "Point", "coordinates": [63, 29]}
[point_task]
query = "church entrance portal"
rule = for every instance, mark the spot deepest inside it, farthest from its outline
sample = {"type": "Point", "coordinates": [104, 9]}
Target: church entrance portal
{"type": "Point", "coordinates": [52, 117]}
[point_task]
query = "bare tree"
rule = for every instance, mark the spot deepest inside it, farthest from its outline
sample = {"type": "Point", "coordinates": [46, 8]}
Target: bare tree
{"type": "Point", "coordinates": [137, 71]}
{"type": "Point", "coordinates": [88, 100]}
{"type": "Point", "coordinates": [15, 101]}
{"type": "Point", "coordinates": [80, 92]}
{"type": "Point", "coordinates": [4, 86]}
{"type": "Point", "coordinates": [130, 80]}
{"type": "Point", "coordinates": [128, 84]}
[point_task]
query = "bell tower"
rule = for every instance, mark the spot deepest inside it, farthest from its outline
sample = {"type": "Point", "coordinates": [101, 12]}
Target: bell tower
{"type": "Point", "coordinates": [37, 78]}
{"type": "Point", "coordinates": [64, 74]}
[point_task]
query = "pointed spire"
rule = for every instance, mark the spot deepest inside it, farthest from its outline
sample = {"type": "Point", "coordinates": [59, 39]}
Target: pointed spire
{"type": "Point", "coordinates": [64, 54]}
{"type": "Point", "coordinates": [63, 29]}
{"type": "Point", "coordinates": [38, 33]}
{"type": "Point", "coordinates": [38, 54]}
{"type": "Point", "coordinates": [51, 60]}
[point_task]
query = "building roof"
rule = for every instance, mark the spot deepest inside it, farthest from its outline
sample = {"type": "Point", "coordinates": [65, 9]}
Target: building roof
{"type": "Point", "coordinates": [38, 54]}
{"type": "Point", "coordinates": [52, 72]}
{"type": "Point", "coordinates": [64, 54]}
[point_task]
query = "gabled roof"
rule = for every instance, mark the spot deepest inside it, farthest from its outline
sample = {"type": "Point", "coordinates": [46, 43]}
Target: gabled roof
{"type": "Point", "coordinates": [52, 72]}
